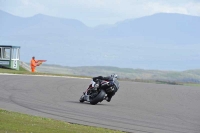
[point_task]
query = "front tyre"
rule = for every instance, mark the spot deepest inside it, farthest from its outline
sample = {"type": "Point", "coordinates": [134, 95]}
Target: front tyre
{"type": "Point", "coordinates": [98, 98]}
{"type": "Point", "coordinates": [81, 99]}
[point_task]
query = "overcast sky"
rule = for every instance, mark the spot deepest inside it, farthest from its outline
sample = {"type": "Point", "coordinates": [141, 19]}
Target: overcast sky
{"type": "Point", "coordinates": [96, 12]}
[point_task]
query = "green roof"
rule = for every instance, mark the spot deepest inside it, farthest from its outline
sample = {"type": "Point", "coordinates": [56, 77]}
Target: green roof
{"type": "Point", "coordinates": [10, 46]}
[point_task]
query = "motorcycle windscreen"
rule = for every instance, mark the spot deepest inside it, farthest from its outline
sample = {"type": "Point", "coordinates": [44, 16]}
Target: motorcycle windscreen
{"type": "Point", "coordinates": [116, 83]}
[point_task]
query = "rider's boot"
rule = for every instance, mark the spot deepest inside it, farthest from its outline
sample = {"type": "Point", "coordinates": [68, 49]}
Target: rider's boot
{"type": "Point", "coordinates": [108, 99]}
{"type": "Point", "coordinates": [109, 96]}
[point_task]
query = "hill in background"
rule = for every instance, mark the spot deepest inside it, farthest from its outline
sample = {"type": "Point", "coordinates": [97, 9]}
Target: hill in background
{"type": "Point", "coordinates": [192, 76]}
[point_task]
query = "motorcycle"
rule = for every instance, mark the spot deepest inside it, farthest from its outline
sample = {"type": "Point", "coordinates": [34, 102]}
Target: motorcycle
{"type": "Point", "coordinates": [98, 91]}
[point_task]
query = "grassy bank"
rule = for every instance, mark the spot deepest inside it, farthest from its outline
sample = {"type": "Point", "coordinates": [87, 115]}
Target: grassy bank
{"type": "Point", "coordinates": [23, 71]}
{"type": "Point", "coordinates": [191, 84]}
{"type": "Point", "coordinates": [189, 76]}
{"type": "Point", "coordinates": [12, 122]}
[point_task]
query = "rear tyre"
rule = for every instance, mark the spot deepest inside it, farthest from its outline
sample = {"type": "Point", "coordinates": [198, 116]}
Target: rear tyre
{"type": "Point", "coordinates": [98, 98]}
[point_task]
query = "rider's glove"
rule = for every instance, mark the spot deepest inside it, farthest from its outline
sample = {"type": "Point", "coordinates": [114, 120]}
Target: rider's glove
{"type": "Point", "coordinates": [111, 83]}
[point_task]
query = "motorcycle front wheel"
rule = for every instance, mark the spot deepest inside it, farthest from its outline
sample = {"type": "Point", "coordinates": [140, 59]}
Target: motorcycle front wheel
{"type": "Point", "coordinates": [81, 99]}
{"type": "Point", "coordinates": [98, 98]}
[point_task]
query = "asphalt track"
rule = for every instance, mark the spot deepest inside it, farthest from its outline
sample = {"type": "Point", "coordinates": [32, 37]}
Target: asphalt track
{"type": "Point", "coordinates": [136, 107]}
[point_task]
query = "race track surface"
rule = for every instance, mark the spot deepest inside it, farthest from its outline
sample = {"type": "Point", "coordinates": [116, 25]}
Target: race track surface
{"type": "Point", "coordinates": [136, 107]}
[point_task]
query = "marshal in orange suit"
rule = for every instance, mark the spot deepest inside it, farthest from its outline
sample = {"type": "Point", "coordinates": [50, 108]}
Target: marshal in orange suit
{"type": "Point", "coordinates": [33, 64]}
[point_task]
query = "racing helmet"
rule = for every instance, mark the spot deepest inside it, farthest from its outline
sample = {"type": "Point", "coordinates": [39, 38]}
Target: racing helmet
{"type": "Point", "coordinates": [114, 76]}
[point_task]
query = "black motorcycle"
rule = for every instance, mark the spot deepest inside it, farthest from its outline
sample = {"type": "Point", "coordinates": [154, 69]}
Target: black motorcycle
{"type": "Point", "coordinates": [101, 89]}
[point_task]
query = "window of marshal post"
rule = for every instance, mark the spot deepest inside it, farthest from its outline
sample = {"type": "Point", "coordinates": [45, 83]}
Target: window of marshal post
{"type": "Point", "coordinates": [15, 53]}
{"type": "Point", "coordinates": [6, 53]}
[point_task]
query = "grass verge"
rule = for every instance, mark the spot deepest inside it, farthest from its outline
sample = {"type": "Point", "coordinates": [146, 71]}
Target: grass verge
{"type": "Point", "coordinates": [191, 84]}
{"type": "Point", "coordinates": [12, 122]}
{"type": "Point", "coordinates": [23, 71]}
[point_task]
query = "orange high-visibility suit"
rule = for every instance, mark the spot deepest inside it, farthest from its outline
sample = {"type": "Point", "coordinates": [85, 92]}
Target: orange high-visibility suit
{"type": "Point", "coordinates": [33, 64]}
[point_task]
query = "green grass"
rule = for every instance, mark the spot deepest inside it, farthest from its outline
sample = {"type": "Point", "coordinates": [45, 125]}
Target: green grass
{"type": "Point", "coordinates": [191, 84]}
{"type": "Point", "coordinates": [12, 122]}
{"type": "Point", "coordinates": [23, 71]}
{"type": "Point", "coordinates": [190, 76]}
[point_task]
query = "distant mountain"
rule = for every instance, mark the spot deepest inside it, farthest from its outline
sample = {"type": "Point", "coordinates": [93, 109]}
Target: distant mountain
{"type": "Point", "coordinates": [160, 41]}
{"type": "Point", "coordinates": [159, 28]}
{"type": "Point", "coordinates": [39, 25]}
